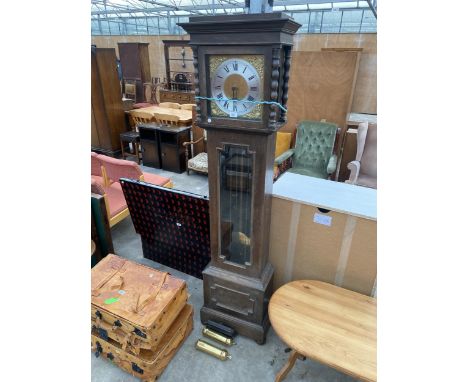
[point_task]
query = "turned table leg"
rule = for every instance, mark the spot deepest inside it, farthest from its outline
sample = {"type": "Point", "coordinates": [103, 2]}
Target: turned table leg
{"type": "Point", "coordinates": [288, 366]}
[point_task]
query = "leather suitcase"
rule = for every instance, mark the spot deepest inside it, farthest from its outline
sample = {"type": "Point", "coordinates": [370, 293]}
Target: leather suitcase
{"type": "Point", "coordinates": [136, 300]}
{"type": "Point", "coordinates": [148, 365]}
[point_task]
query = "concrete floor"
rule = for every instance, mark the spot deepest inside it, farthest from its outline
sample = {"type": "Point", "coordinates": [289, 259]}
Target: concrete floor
{"type": "Point", "coordinates": [250, 362]}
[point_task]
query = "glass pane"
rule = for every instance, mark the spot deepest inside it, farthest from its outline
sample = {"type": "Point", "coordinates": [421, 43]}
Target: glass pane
{"type": "Point", "coordinates": [235, 203]}
{"type": "Point", "coordinates": [302, 18]}
{"type": "Point", "coordinates": [114, 27]}
{"type": "Point", "coordinates": [95, 27]}
{"type": "Point", "coordinates": [331, 22]}
{"type": "Point", "coordinates": [351, 21]}
{"type": "Point", "coordinates": [315, 22]}
{"type": "Point", "coordinates": [369, 23]}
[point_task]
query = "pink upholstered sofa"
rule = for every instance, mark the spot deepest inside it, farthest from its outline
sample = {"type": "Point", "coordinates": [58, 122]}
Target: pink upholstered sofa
{"type": "Point", "coordinates": [105, 174]}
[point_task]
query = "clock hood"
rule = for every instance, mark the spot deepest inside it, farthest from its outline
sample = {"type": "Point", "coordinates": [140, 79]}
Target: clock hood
{"type": "Point", "coordinates": [268, 24]}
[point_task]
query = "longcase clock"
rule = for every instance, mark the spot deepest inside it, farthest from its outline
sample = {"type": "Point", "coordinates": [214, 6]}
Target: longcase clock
{"type": "Point", "coordinates": [241, 77]}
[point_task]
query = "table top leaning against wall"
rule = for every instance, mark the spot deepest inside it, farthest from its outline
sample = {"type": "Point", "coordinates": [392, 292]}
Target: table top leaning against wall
{"type": "Point", "coordinates": [336, 196]}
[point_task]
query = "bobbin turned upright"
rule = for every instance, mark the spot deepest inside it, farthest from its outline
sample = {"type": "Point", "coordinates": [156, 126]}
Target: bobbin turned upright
{"type": "Point", "coordinates": [241, 86]}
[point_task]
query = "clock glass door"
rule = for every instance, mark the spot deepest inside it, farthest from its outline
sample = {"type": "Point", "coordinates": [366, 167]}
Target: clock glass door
{"type": "Point", "coordinates": [235, 203]}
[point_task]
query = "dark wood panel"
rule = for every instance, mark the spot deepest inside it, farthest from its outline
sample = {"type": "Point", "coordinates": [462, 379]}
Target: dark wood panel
{"type": "Point", "coordinates": [130, 61]}
{"type": "Point", "coordinates": [150, 153]}
{"type": "Point", "coordinates": [134, 59]}
{"type": "Point", "coordinates": [348, 153]}
{"type": "Point", "coordinates": [107, 119]}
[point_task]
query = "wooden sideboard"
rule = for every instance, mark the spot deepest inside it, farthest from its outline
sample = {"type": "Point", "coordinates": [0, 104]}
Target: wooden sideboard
{"type": "Point", "coordinates": [162, 146]}
{"type": "Point", "coordinates": [176, 96]}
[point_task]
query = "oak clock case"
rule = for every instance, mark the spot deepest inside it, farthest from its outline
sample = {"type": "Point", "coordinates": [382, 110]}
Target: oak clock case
{"type": "Point", "coordinates": [240, 61]}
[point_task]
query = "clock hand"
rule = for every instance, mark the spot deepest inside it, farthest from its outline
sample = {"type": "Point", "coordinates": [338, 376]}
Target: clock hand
{"type": "Point", "coordinates": [234, 92]}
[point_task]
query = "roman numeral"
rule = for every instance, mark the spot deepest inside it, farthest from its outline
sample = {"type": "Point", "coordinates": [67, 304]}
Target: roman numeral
{"type": "Point", "coordinates": [235, 66]}
{"type": "Point", "coordinates": [253, 88]}
{"type": "Point", "coordinates": [245, 68]}
{"type": "Point", "coordinates": [220, 77]}
{"type": "Point", "coordinates": [226, 104]}
{"type": "Point", "coordinates": [218, 87]}
{"type": "Point", "coordinates": [226, 69]}
{"type": "Point", "coordinates": [220, 95]}
{"type": "Point", "coordinates": [251, 78]}
{"type": "Point", "coordinates": [245, 107]}
{"type": "Point", "coordinates": [250, 98]}
{"type": "Point", "coordinates": [234, 107]}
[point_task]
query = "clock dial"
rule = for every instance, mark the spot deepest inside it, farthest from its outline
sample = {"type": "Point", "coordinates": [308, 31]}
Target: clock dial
{"type": "Point", "coordinates": [237, 86]}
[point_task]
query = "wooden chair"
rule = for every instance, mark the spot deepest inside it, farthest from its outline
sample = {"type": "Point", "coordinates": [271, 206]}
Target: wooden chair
{"type": "Point", "coordinates": [132, 138]}
{"type": "Point", "coordinates": [187, 106]}
{"type": "Point", "coordinates": [116, 206]}
{"type": "Point", "coordinates": [166, 119]}
{"type": "Point", "coordinates": [170, 105]}
{"type": "Point", "coordinates": [130, 90]}
{"type": "Point", "coordinates": [139, 116]}
{"type": "Point", "coordinates": [364, 168]}
{"type": "Point", "coordinates": [195, 150]}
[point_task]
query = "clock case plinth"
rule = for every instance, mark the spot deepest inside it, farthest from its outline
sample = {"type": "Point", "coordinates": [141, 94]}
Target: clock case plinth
{"type": "Point", "coordinates": [238, 294]}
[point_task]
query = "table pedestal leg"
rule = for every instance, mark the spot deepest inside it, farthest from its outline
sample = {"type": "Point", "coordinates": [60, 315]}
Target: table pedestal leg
{"type": "Point", "coordinates": [288, 366]}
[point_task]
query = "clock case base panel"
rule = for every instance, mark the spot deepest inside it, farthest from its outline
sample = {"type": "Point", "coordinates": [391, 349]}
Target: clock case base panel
{"type": "Point", "coordinates": [239, 302]}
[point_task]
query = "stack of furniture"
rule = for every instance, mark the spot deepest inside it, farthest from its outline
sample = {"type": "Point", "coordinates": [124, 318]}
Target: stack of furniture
{"type": "Point", "coordinates": [179, 73]}
{"type": "Point", "coordinates": [139, 316]}
{"type": "Point", "coordinates": [364, 168]}
{"type": "Point", "coordinates": [347, 150]}
{"type": "Point", "coordinates": [134, 59]}
{"type": "Point", "coordinates": [162, 131]}
{"type": "Point", "coordinates": [107, 113]}
{"type": "Point", "coordinates": [174, 225]}
{"type": "Point", "coordinates": [313, 151]}
{"type": "Point", "coordinates": [105, 175]}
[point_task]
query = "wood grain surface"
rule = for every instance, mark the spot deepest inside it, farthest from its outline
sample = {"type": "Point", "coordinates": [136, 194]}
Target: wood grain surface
{"type": "Point", "coordinates": [185, 116]}
{"type": "Point", "coordinates": [329, 324]}
{"type": "Point", "coordinates": [321, 87]}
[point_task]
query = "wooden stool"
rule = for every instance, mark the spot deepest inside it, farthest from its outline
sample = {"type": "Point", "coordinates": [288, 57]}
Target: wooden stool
{"type": "Point", "coordinates": [132, 137]}
{"type": "Point", "coordinates": [329, 324]}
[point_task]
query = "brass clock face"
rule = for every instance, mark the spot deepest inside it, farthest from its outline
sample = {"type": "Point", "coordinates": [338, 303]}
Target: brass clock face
{"type": "Point", "coordinates": [237, 84]}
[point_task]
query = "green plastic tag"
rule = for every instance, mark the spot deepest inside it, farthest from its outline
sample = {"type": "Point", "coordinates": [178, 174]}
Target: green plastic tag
{"type": "Point", "coordinates": [111, 300]}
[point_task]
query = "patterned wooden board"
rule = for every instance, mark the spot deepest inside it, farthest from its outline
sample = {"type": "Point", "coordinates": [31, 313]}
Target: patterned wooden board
{"type": "Point", "coordinates": [174, 225]}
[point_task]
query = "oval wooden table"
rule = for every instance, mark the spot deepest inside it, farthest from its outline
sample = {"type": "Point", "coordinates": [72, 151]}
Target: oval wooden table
{"type": "Point", "coordinates": [329, 324]}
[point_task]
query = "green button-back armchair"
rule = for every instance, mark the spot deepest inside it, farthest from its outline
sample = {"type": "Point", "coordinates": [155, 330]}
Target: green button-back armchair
{"type": "Point", "coordinates": [313, 152]}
